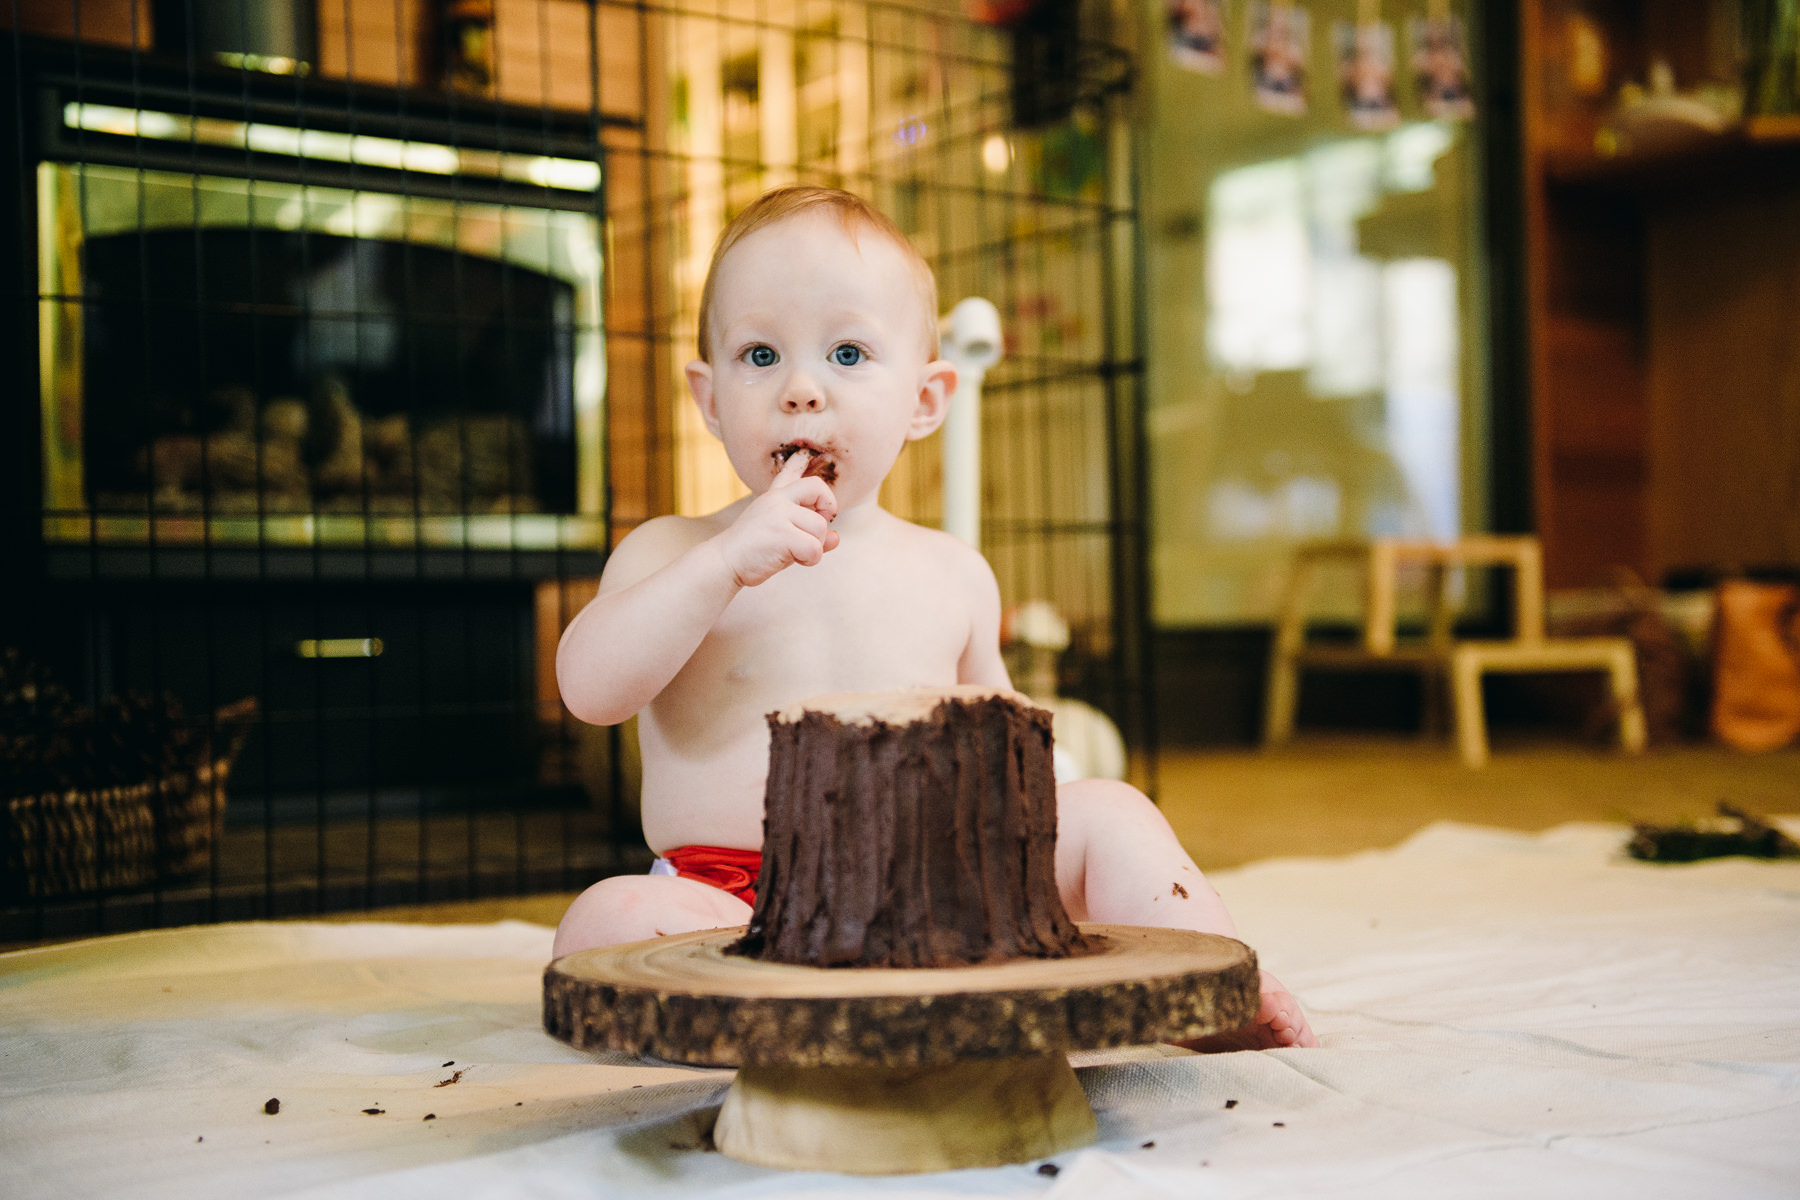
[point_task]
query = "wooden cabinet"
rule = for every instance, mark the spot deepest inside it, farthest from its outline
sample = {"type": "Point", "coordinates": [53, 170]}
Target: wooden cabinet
{"type": "Point", "coordinates": [1663, 299]}
{"type": "Point", "coordinates": [122, 23]}
{"type": "Point", "coordinates": [565, 54]}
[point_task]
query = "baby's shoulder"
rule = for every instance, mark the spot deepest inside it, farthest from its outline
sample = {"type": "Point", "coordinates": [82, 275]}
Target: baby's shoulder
{"type": "Point", "coordinates": [653, 545]}
{"type": "Point", "coordinates": [947, 553]}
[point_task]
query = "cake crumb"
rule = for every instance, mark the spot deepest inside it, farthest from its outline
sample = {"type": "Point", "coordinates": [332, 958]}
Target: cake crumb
{"type": "Point", "coordinates": [1231, 1104]}
{"type": "Point", "coordinates": [429, 1117]}
{"type": "Point", "coordinates": [272, 1107]}
{"type": "Point", "coordinates": [1175, 889]}
{"type": "Point", "coordinates": [456, 1078]}
{"type": "Point", "coordinates": [1049, 1170]}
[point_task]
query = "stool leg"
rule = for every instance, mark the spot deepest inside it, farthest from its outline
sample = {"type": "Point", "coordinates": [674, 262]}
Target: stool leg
{"type": "Point", "coordinates": [1623, 672]}
{"type": "Point", "coordinates": [1471, 721]}
{"type": "Point", "coordinates": [1283, 696]}
{"type": "Point", "coordinates": [1283, 687]}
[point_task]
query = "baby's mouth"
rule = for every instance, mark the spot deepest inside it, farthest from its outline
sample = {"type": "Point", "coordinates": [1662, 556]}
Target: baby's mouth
{"type": "Point", "coordinates": [817, 463]}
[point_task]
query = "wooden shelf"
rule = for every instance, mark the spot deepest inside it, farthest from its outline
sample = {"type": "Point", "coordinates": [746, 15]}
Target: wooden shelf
{"type": "Point", "coordinates": [1757, 156]}
{"type": "Point", "coordinates": [1662, 285]}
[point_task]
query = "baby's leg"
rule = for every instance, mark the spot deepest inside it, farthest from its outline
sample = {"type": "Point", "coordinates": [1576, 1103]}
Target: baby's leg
{"type": "Point", "coordinates": [631, 908]}
{"type": "Point", "coordinates": [1118, 861]}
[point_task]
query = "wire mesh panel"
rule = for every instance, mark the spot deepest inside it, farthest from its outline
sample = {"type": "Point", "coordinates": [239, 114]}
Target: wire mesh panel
{"type": "Point", "coordinates": [1003, 154]}
{"type": "Point", "coordinates": [347, 340]}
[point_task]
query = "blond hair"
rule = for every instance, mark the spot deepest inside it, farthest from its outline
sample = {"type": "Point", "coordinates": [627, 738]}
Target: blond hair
{"type": "Point", "coordinates": [852, 212]}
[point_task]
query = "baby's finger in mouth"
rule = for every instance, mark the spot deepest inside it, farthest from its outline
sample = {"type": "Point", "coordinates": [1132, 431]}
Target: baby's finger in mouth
{"type": "Point", "coordinates": [791, 462]}
{"type": "Point", "coordinates": [812, 463]}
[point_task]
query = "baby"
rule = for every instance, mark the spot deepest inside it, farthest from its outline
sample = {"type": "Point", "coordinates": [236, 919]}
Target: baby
{"type": "Point", "coordinates": [818, 363]}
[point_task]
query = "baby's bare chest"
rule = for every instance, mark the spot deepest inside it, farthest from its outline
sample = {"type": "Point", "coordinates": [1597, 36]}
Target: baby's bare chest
{"type": "Point", "coordinates": [811, 630]}
{"type": "Point", "coordinates": [805, 632]}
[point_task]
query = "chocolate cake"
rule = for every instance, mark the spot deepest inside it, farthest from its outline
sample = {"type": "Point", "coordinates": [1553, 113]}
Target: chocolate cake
{"type": "Point", "coordinates": [914, 828]}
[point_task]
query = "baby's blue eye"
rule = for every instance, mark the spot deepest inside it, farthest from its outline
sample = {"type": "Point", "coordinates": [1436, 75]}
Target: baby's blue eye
{"type": "Point", "coordinates": [847, 355]}
{"type": "Point", "coordinates": [762, 356]}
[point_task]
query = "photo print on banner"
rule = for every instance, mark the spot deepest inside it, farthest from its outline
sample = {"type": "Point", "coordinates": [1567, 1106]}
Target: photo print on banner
{"type": "Point", "coordinates": [1440, 65]}
{"type": "Point", "coordinates": [1197, 35]}
{"type": "Point", "coordinates": [1280, 38]}
{"type": "Point", "coordinates": [1365, 65]}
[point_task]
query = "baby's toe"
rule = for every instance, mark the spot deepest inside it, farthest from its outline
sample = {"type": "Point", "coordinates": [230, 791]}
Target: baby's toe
{"type": "Point", "coordinates": [1287, 1025]}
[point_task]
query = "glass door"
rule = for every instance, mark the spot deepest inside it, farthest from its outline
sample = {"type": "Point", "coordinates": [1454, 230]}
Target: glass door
{"type": "Point", "coordinates": [1317, 319]}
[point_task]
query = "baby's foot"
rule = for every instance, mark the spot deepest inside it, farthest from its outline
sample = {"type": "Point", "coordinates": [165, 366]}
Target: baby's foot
{"type": "Point", "coordinates": [1278, 1024]}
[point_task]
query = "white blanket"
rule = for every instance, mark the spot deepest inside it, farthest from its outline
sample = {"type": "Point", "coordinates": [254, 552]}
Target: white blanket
{"type": "Point", "coordinates": [1502, 1014]}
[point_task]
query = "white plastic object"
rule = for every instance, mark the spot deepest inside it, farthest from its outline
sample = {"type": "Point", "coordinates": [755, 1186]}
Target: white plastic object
{"type": "Point", "coordinates": [971, 340]}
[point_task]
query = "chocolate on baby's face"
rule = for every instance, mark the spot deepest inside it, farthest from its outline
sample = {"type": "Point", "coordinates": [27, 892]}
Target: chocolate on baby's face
{"type": "Point", "coordinates": [817, 463]}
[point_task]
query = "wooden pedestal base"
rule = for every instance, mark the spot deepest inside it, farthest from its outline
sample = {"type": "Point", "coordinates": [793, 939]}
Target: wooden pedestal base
{"type": "Point", "coordinates": [893, 1120]}
{"type": "Point", "coordinates": [879, 1070]}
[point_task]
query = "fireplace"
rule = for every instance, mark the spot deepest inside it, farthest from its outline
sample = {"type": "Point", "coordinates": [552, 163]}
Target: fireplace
{"type": "Point", "coordinates": [257, 331]}
{"type": "Point", "coordinates": [311, 409]}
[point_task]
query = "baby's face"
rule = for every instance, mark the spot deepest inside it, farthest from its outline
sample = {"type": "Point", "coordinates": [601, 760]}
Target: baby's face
{"type": "Point", "coordinates": [819, 343]}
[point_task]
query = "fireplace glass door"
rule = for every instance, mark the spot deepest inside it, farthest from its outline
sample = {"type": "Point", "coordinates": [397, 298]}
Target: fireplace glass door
{"type": "Point", "coordinates": [237, 362]}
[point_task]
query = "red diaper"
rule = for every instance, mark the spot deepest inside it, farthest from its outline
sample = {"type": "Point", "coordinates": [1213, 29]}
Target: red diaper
{"type": "Point", "coordinates": [729, 870]}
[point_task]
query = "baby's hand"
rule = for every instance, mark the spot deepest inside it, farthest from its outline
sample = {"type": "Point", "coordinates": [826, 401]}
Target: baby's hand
{"type": "Point", "coordinates": [790, 523]}
{"type": "Point", "coordinates": [1278, 1024]}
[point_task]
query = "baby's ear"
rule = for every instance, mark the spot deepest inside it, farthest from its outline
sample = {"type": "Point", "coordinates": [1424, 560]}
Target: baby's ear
{"type": "Point", "coordinates": [935, 391]}
{"type": "Point", "coordinates": [700, 382]}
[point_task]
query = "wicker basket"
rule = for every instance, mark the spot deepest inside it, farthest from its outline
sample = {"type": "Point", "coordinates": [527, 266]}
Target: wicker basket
{"type": "Point", "coordinates": [78, 842]}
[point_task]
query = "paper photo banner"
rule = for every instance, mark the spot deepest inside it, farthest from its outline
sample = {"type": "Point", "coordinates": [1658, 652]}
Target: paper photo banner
{"type": "Point", "coordinates": [1280, 40]}
{"type": "Point", "coordinates": [1197, 35]}
{"type": "Point", "coordinates": [1440, 67]}
{"type": "Point", "coordinates": [1364, 52]}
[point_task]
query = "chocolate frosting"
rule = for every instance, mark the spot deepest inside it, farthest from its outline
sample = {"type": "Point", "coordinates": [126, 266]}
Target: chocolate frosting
{"type": "Point", "coordinates": [921, 843]}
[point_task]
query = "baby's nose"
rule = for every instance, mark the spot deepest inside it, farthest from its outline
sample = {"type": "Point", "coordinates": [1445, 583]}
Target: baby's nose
{"type": "Point", "coordinates": [802, 395]}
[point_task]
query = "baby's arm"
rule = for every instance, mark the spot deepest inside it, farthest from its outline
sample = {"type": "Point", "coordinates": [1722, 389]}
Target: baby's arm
{"type": "Point", "coordinates": [981, 661]}
{"type": "Point", "coordinates": [664, 589]}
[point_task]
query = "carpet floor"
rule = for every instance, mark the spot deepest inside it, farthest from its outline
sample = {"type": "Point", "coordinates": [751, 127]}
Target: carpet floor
{"type": "Point", "coordinates": [1328, 796]}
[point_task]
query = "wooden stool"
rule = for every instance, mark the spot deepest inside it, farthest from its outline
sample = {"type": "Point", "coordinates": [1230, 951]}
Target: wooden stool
{"type": "Point", "coordinates": [1440, 655]}
{"type": "Point", "coordinates": [879, 1071]}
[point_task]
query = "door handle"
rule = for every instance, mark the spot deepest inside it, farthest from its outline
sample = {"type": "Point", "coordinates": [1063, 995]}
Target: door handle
{"type": "Point", "coordinates": [369, 647]}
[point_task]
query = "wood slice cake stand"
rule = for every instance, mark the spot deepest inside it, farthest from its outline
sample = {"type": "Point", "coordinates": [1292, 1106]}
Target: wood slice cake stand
{"type": "Point", "coordinates": [883, 1071]}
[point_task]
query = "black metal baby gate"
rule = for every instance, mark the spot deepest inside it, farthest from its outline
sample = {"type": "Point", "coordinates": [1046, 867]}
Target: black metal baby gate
{"type": "Point", "coordinates": [344, 339]}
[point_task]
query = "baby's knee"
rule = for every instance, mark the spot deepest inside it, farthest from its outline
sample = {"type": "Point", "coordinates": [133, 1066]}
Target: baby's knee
{"type": "Point", "coordinates": [593, 916]}
{"type": "Point", "coordinates": [632, 908]}
{"type": "Point", "coordinates": [1105, 800]}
